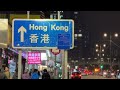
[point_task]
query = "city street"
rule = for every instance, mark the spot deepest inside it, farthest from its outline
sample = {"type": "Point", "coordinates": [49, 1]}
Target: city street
{"type": "Point", "coordinates": [59, 44]}
{"type": "Point", "coordinates": [95, 77]}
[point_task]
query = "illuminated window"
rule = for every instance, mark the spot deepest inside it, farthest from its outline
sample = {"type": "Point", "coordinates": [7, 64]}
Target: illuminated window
{"type": "Point", "coordinates": [75, 12]}
{"type": "Point", "coordinates": [75, 35]}
{"type": "Point", "coordinates": [79, 35]}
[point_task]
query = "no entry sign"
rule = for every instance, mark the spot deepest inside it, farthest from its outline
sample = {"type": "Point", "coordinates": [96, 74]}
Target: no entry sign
{"type": "Point", "coordinates": [55, 51]}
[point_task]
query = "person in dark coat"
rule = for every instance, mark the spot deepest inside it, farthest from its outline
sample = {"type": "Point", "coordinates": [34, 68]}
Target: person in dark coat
{"type": "Point", "coordinates": [2, 75]}
{"type": "Point", "coordinates": [45, 74]}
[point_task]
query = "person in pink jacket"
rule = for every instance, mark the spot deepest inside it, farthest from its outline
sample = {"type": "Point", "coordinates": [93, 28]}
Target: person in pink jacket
{"type": "Point", "coordinates": [25, 75]}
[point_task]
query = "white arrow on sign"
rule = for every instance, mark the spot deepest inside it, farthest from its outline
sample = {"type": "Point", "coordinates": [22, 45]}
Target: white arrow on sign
{"type": "Point", "coordinates": [22, 30]}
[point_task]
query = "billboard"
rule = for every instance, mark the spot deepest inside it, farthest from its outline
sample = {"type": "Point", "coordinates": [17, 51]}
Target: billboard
{"type": "Point", "coordinates": [34, 58]}
{"type": "Point", "coordinates": [3, 33]}
{"type": "Point", "coordinates": [43, 56]}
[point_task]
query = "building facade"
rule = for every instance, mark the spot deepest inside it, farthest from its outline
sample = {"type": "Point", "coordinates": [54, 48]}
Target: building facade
{"type": "Point", "coordinates": [82, 49]}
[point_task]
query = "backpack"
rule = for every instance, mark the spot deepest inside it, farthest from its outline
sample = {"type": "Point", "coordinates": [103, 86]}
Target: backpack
{"type": "Point", "coordinates": [35, 76]}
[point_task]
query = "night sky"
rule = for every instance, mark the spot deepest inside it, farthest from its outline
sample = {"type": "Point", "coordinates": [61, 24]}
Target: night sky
{"type": "Point", "coordinates": [101, 21]}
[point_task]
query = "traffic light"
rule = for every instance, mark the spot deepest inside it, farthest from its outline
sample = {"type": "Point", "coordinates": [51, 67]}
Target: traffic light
{"type": "Point", "coordinates": [101, 66]}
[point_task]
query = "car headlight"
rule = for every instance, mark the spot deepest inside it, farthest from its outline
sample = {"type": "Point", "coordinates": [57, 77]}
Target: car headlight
{"type": "Point", "coordinates": [105, 73]}
{"type": "Point", "coordinates": [112, 73]}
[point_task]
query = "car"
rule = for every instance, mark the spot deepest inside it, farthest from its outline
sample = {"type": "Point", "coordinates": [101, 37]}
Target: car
{"type": "Point", "coordinates": [104, 73]}
{"type": "Point", "coordinates": [112, 74]}
{"type": "Point", "coordinates": [76, 75]}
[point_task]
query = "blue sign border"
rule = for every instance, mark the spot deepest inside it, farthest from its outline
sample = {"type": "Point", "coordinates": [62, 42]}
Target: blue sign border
{"type": "Point", "coordinates": [41, 20]}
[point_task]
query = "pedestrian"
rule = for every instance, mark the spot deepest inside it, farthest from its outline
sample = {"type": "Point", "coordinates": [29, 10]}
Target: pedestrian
{"type": "Point", "coordinates": [15, 76]}
{"type": "Point", "coordinates": [2, 75]}
{"type": "Point", "coordinates": [115, 74]}
{"type": "Point", "coordinates": [25, 75]}
{"type": "Point", "coordinates": [12, 68]}
{"type": "Point", "coordinates": [35, 74]}
{"type": "Point", "coordinates": [40, 74]}
{"type": "Point", "coordinates": [7, 72]}
{"type": "Point", "coordinates": [118, 75]}
{"type": "Point", "coordinates": [31, 71]}
{"type": "Point", "coordinates": [45, 74]}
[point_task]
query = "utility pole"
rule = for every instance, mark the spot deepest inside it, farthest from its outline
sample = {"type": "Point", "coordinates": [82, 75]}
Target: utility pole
{"type": "Point", "coordinates": [110, 50]}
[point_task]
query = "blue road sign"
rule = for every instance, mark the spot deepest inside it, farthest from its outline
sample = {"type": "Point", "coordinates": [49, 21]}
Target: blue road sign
{"type": "Point", "coordinates": [64, 41]}
{"type": "Point", "coordinates": [43, 33]}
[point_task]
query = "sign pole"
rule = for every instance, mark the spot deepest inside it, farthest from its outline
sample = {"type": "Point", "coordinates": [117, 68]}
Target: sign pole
{"type": "Point", "coordinates": [20, 57]}
{"type": "Point", "coordinates": [63, 69]}
{"type": "Point", "coordinates": [64, 59]}
{"type": "Point", "coordinates": [66, 62]}
{"type": "Point", "coordinates": [63, 73]}
{"type": "Point", "coordinates": [19, 63]}
{"type": "Point", "coordinates": [55, 52]}
{"type": "Point", "coordinates": [28, 16]}
{"type": "Point", "coordinates": [55, 68]}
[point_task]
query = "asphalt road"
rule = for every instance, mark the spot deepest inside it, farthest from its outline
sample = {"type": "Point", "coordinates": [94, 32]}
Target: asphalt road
{"type": "Point", "coordinates": [95, 77]}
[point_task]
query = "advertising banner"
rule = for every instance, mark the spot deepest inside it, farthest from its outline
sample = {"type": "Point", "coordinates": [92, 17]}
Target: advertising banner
{"type": "Point", "coordinates": [34, 58]}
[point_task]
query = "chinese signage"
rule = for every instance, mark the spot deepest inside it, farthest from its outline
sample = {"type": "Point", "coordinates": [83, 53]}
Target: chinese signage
{"type": "Point", "coordinates": [34, 58]}
{"type": "Point", "coordinates": [44, 33]}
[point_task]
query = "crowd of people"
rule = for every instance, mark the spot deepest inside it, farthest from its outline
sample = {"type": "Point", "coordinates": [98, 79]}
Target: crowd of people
{"type": "Point", "coordinates": [33, 74]}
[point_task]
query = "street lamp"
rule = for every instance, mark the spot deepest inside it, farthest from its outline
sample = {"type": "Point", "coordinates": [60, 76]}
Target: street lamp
{"type": "Point", "coordinates": [98, 55]}
{"type": "Point", "coordinates": [96, 50]}
{"type": "Point", "coordinates": [105, 34]}
{"type": "Point", "coordinates": [104, 45]}
{"type": "Point", "coordinates": [116, 34]}
{"type": "Point", "coordinates": [103, 54]}
{"type": "Point", "coordinates": [96, 45]}
{"type": "Point", "coordinates": [102, 50]}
